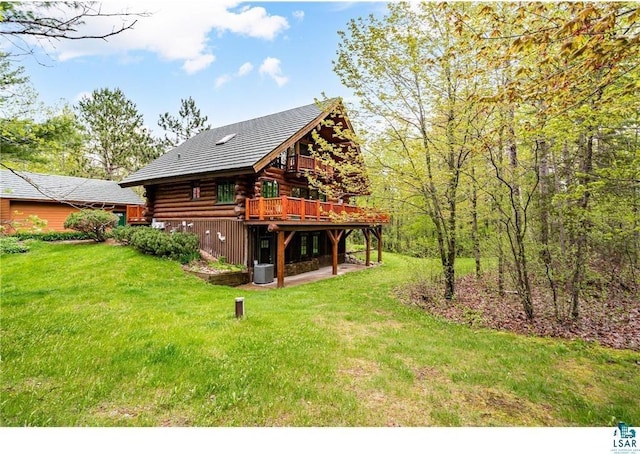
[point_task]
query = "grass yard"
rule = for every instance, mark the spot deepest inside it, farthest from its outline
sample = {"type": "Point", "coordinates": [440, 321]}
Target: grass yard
{"type": "Point", "coordinates": [100, 335]}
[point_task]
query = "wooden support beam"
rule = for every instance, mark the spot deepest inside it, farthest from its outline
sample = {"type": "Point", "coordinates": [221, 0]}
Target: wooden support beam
{"type": "Point", "coordinates": [280, 261]}
{"type": "Point", "coordinates": [334, 236]}
{"type": "Point", "coordinates": [378, 231]}
{"type": "Point", "coordinates": [347, 233]}
{"type": "Point", "coordinates": [367, 244]}
{"type": "Point", "coordinates": [289, 237]}
{"type": "Point", "coordinates": [283, 242]}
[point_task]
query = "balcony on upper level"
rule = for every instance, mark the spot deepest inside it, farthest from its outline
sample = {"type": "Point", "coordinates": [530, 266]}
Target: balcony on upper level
{"type": "Point", "coordinates": [305, 210]}
{"type": "Point", "coordinates": [300, 163]}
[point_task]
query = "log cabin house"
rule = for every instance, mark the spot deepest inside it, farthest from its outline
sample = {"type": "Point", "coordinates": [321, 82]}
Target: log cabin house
{"type": "Point", "coordinates": [244, 189]}
{"type": "Point", "coordinates": [27, 196]}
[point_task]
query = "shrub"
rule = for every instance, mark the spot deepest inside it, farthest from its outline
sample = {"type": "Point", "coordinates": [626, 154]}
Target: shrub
{"type": "Point", "coordinates": [52, 236]}
{"type": "Point", "coordinates": [11, 245]}
{"type": "Point", "coordinates": [183, 247]}
{"type": "Point", "coordinates": [92, 222]}
{"type": "Point", "coordinates": [186, 246]}
{"type": "Point", "coordinates": [123, 234]}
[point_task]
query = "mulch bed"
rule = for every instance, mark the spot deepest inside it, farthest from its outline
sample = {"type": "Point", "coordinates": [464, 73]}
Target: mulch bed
{"type": "Point", "coordinates": [609, 316]}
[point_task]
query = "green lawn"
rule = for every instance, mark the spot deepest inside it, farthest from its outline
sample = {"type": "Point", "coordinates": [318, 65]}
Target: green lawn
{"type": "Point", "coordinates": [100, 335]}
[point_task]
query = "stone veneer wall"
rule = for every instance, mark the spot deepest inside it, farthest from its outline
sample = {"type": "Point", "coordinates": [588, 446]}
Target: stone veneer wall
{"type": "Point", "coordinates": [291, 269]}
{"type": "Point", "coordinates": [231, 279]}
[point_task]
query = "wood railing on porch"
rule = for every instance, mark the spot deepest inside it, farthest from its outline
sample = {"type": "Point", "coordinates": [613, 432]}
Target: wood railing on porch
{"type": "Point", "coordinates": [135, 214]}
{"type": "Point", "coordinates": [295, 209]}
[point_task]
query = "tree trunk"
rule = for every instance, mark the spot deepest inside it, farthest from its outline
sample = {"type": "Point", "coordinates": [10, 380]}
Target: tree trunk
{"type": "Point", "coordinates": [544, 206]}
{"type": "Point", "coordinates": [519, 222]}
{"type": "Point", "coordinates": [582, 225]}
{"type": "Point", "coordinates": [474, 222]}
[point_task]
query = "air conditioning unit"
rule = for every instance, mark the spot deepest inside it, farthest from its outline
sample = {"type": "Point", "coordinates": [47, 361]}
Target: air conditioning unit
{"type": "Point", "coordinates": [263, 273]}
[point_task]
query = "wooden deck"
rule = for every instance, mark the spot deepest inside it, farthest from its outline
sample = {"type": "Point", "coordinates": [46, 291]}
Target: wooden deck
{"type": "Point", "coordinates": [295, 209]}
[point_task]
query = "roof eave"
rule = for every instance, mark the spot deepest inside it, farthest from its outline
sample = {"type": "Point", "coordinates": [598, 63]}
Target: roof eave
{"type": "Point", "coordinates": [263, 162]}
{"type": "Point", "coordinates": [187, 177]}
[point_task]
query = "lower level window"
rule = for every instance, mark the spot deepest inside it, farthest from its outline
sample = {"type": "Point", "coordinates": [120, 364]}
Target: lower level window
{"type": "Point", "coordinates": [303, 245]}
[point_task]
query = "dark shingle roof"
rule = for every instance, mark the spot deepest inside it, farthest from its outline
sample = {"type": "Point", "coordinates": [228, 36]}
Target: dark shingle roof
{"type": "Point", "coordinates": [63, 188]}
{"type": "Point", "coordinates": [254, 139]}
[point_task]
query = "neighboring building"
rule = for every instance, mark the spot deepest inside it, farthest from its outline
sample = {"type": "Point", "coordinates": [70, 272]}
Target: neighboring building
{"type": "Point", "coordinates": [53, 198]}
{"type": "Point", "coordinates": [243, 188]}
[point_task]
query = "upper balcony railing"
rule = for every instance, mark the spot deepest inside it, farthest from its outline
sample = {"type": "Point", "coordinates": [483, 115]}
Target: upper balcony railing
{"type": "Point", "coordinates": [300, 163]}
{"type": "Point", "coordinates": [294, 209]}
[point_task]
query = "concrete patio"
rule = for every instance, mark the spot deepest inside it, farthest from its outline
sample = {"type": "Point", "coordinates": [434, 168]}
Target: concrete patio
{"type": "Point", "coordinates": [304, 278]}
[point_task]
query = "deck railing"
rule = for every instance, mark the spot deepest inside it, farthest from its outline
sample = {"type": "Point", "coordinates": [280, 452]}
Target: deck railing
{"type": "Point", "coordinates": [295, 209]}
{"type": "Point", "coordinates": [135, 214]}
{"type": "Point", "coordinates": [301, 163]}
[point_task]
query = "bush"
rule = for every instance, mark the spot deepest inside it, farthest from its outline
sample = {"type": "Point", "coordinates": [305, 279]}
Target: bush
{"type": "Point", "coordinates": [123, 234]}
{"type": "Point", "coordinates": [93, 222]}
{"type": "Point", "coordinates": [183, 247]}
{"type": "Point", "coordinates": [11, 245]}
{"type": "Point", "coordinates": [52, 236]}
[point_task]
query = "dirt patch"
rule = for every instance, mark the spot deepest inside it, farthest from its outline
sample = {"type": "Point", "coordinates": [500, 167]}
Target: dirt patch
{"type": "Point", "coordinates": [610, 318]}
{"type": "Point", "coordinates": [504, 408]}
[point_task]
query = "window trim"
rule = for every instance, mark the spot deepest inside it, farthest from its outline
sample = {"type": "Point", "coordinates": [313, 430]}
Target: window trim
{"type": "Point", "coordinates": [196, 190]}
{"type": "Point", "coordinates": [230, 192]}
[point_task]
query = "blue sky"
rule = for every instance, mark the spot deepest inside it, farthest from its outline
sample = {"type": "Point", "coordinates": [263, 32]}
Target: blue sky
{"type": "Point", "coordinates": [238, 60]}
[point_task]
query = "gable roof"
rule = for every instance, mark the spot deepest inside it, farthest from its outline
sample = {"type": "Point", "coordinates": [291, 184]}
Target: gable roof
{"type": "Point", "coordinates": [250, 143]}
{"type": "Point", "coordinates": [64, 188]}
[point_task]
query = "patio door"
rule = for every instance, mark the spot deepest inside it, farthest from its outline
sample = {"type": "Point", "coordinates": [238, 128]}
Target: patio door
{"type": "Point", "coordinates": [266, 249]}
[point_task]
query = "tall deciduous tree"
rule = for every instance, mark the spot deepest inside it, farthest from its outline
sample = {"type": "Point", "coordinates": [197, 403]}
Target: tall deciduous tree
{"type": "Point", "coordinates": [563, 65]}
{"type": "Point", "coordinates": [412, 84]}
{"type": "Point", "coordinates": [532, 106]}
{"type": "Point", "coordinates": [187, 124]}
{"type": "Point", "coordinates": [118, 142]}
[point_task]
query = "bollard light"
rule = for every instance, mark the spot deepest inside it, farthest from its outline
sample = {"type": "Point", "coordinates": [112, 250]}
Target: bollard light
{"type": "Point", "coordinates": [239, 306]}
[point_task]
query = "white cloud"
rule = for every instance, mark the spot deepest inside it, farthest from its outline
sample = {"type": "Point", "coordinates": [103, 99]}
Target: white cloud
{"type": "Point", "coordinates": [299, 15]}
{"type": "Point", "coordinates": [199, 63]}
{"type": "Point", "coordinates": [255, 22]}
{"type": "Point", "coordinates": [173, 33]}
{"type": "Point", "coordinates": [271, 67]}
{"type": "Point", "coordinates": [220, 81]}
{"type": "Point", "coordinates": [245, 69]}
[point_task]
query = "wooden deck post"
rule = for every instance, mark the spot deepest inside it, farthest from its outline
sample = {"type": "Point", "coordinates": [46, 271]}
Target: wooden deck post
{"type": "Point", "coordinates": [378, 231]}
{"type": "Point", "coordinates": [334, 236]}
{"type": "Point", "coordinates": [282, 246]}
{"type": "Point", "coordinates": [367, 243]}
{"type": "Point", "coordinates": [280, 261]}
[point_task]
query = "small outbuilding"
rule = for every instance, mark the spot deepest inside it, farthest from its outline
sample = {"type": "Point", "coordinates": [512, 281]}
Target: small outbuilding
{"type": "Point", "coordinates": [26, 197]}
